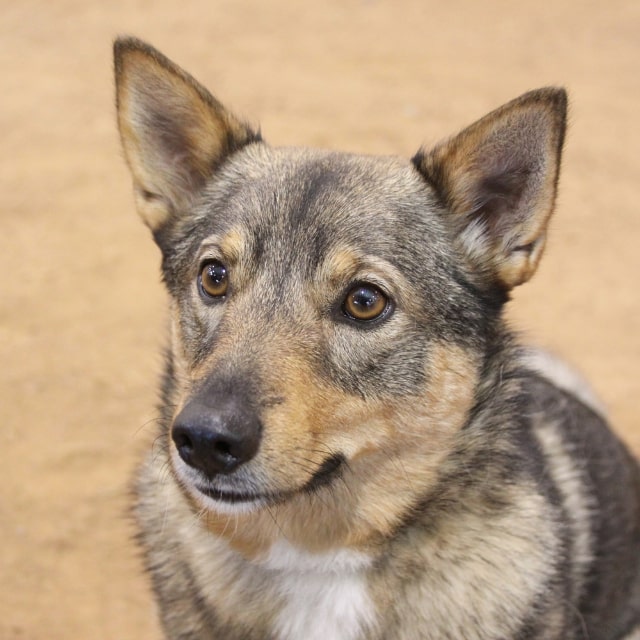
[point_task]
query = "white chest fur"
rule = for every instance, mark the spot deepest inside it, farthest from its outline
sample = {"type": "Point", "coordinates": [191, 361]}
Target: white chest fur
{"type": "Point", "coordinates": [325, 595]}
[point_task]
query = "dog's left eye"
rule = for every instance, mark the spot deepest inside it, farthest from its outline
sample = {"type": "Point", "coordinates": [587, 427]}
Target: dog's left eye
{"type": "Point", "coordinates": [365, 302]}
{"type": "Point", "coordinates": [213, 279]}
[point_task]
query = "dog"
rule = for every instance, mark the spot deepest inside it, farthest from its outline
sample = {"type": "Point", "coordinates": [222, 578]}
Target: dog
{"type": "Point", "coordinates": [353, 444]}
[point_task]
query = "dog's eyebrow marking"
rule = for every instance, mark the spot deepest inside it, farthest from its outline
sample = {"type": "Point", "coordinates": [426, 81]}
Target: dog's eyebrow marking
{"type": "Point", "coordinates": [341, 264]}
{"type": "Point", "coordinates": [232, 244]}
{"type": "Point", "coordinates": [346, 263]}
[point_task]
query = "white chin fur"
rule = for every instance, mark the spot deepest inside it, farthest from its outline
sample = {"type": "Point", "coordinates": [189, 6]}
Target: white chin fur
{"type": "Point", "coordinates": [190, 479]}
{"type": "Point", "coordinates": [228, 508]}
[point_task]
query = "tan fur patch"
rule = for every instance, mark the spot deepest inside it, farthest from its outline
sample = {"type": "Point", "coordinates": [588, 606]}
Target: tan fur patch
{"type": "Point", "coordinates": [394, 450]}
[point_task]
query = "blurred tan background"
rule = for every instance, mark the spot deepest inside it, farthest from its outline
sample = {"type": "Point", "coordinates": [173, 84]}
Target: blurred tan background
{"type": "Point", "coordinates": [81, 305]}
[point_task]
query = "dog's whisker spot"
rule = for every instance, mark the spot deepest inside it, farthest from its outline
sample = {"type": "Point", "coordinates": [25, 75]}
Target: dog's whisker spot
{"type": "Point", "coordinates": [273, 401]}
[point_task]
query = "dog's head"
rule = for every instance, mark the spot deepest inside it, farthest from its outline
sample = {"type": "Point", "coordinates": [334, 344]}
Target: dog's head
{"type": "Point", "coordinates": [331, 312]}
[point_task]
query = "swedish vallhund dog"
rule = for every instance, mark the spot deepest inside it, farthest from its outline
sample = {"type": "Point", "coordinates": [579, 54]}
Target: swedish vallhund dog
{"type": "Point", "coordinates": [353, 444]}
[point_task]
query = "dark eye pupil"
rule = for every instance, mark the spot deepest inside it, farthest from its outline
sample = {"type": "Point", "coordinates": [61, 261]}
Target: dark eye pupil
{"type": "Point", "coordinates": [216, 273]}
{"type": "Point", "coordinates": [214, 279]}
{"type": "Point", "coordinates": [365, 299]}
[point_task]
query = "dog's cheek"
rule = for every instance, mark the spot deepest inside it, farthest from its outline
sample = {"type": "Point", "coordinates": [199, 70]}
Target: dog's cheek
{"type": "Point", "coordinates": [309, 423]}
{"type": "Point", "coordinates": [412, 433]}
{"type": "Point", "coordinates": [394, 446]}
{"type": "Point", "coordinates": [452, 374]}
{"type": "Point", "coordinates": [385, 361]}
{"type": "Point", "coordinates": [416, 434]}
{"type": "Point", "coordinates": [317, 420]}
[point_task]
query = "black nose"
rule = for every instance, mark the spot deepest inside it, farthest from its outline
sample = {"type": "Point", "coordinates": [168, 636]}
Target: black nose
{"type": "Point", "coordinates": [216, 439]}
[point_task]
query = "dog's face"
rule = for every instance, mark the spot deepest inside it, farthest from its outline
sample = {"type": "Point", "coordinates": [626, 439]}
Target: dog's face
{"type": "Point", "coordinates": [330, 312]}
{"type": "Point", "coordinates": [311, 326]}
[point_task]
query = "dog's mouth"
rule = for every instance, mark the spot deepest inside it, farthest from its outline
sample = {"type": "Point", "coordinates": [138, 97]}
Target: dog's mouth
{"type": "Point", "coordinates": [328, 471]}
{"type": "Point", "coordinates": [232, 497]}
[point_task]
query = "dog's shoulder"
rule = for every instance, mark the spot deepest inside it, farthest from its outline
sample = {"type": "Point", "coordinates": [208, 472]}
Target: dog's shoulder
{"type": "Point", "coordinates": [594, 480]}
{"type": "Point", "coordinates": [570, 421]}
{"type": "Point", "coordinates": [560, 375]}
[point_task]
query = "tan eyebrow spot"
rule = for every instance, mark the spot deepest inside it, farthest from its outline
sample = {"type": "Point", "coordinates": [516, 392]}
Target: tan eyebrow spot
{"type": "Point", "coordinates": [340, 265]}
{"type": "Point", "coordinates": [233, 244]}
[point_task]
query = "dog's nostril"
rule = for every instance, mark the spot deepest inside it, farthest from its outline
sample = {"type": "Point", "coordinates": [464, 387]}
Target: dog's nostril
{"type": "Point", "coordinates": [223, 448]}
{"type": "Point", "coordinates": [184, 444]}
{"type": "Point", "coordinates": [182, 439]}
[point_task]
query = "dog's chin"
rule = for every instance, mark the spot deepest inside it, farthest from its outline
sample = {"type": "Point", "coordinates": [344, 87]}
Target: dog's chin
{"type": "Point", "coordinates": [224, 499]}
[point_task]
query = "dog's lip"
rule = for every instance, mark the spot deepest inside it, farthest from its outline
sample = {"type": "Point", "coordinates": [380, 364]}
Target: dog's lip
{"type": "Point", "coordinates": [324, 474]}
{"type": "Point", "coordinates": [231, 497]}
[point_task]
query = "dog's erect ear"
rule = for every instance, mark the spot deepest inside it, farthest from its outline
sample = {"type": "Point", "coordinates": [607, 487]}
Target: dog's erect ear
{"type": "Point", "coordinates": [174, 132]}
{"type": "Point", "coordinates": [498, 181]}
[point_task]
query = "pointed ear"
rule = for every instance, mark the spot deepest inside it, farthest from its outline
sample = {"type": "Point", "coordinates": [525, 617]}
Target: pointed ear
{"type": "Point", "coordinates": [498, 179]}
{"type": "Point", "coordinates": [173, 131]}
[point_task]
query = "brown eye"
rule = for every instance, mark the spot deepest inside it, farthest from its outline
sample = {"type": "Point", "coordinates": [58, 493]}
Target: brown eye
{"type": "Point", "coordinates": [365, 302]}
{"type": "Point", "coordinates": [213, 279]}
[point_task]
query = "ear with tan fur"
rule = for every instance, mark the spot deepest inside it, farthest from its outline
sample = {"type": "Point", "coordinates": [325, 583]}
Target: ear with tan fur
{"type": "Point", "coordinates": [174, 132]}
{"type": "Point", "coordinates": [498, 181]}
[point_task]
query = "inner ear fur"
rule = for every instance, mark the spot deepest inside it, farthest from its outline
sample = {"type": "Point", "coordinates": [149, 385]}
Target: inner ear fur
{"type": "Point", "coordinates": [173, 131]}
{"type": "Point", "coordinates": [497, 180]}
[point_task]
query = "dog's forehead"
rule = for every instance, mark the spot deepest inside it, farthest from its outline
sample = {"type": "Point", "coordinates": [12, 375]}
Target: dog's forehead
{"type": "Point", "coordinates": [317, 199]}
{"type": "Point", "coordinates": [297, 186]}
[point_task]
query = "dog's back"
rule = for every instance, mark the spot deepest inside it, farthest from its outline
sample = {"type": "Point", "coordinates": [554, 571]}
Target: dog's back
{"type": "Point", "coordinates": [352, 444]}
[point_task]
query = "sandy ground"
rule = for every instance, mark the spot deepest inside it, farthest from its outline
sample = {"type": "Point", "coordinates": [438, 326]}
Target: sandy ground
{"type": "Point", "coordinates": [81, 311]}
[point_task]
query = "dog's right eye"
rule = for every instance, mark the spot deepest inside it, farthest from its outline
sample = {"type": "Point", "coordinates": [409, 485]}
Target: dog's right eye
{"type": "Point", "coordinates": [365, 302]}
{"type": "Point", "coordinates": [213, 280]}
